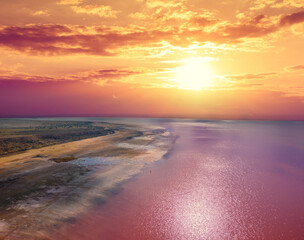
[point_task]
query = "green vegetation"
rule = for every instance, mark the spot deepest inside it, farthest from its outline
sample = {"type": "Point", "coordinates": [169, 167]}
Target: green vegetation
{"type": "Point", "coordinates": [46, 133]}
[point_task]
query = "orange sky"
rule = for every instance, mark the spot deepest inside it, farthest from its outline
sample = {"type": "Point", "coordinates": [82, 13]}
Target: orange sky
{"type": "Point", "coordinates": [151, 58]}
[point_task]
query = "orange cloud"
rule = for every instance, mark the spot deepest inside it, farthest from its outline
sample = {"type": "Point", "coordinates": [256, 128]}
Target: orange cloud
{"type": "Point", "coordinates": [41, 13]}
{"type": "Point", "coordinates": [288, 3]}
{"type": "Point", "coordinates": [70, 2]}
{"type": "Point", "coordinates": [48, 39]}
{"type": "Point", "coordinates": [250, 76]}
{"type": "Point", "coordinates": [164, 4]}
{"type": "Point", "coordinates": [262, 4]}
{"type": "Point", "coordinates": [297, 67]}
{"type": "Point", "coordinates": [101, 10]}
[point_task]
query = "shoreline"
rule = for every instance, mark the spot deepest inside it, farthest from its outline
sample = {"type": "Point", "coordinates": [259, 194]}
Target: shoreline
{"type": "Point", "coordinates": [44, 194]}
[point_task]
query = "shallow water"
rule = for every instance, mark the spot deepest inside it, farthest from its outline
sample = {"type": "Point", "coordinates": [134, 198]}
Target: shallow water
{"type": "Point", "coordinates": [222, 180]}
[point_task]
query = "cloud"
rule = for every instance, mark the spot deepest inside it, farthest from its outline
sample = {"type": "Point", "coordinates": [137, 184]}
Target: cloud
{"type": "Point", "coordinates": [164, 4]}
{"type": "Point", "coordinates": [101, 11]}
{"type": "Point", "coordinates": [70, 2]}
{"type": "Point", "coordinates": [248, 30]}
{"type": "Point", "coordinates": [288, 3]}
{"type": "Point", "coordinates": [250, 76]}
{"type": "Point", "coordinates": [293, 18]}
{"type": "Point", "coordinates": [41, 13]}
{"type": "Point", "coordinates": [96, 76]}
{"type": "Point", "coordinates": [49, 39]}
{"type": "Point", "coordinates": [296, 68]}
{"type": "Point", "coordinates": [63, 39]}
{"type": "Point", "coordinates": [262, 4]}
{"type": "Point", "coordinates": [138, 15]}
{"type": "Point", "coordinates": [202, 21]}
{"type": "Point", "coordinates": [103, 75]}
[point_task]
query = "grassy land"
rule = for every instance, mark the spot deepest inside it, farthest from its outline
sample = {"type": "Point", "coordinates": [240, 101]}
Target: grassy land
{"type": "Point", "coordinates": [36, 135]}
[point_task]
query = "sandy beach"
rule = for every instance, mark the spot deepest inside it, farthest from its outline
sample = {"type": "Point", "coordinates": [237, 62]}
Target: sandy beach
{"type": "Point", "coordinates": [43, 189]}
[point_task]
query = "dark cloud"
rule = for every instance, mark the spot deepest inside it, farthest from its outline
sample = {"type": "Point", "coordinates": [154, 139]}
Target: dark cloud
{"type": "Point", "coordinates": [258, 18]}
{"type": "Point", "coordinates": [90, 76]}
{"type": "Point", "coordinates": [248, 30]}
{"type": "Point", "coordinates": [293, 18]}
{"type": "Point", "coordinates": [60, 39]}
{"type": "Point", "coordinates": [106, 41]}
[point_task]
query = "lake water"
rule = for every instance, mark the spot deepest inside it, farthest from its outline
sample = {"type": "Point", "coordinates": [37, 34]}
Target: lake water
{"type": "Point", "coordinates": [222, 180]}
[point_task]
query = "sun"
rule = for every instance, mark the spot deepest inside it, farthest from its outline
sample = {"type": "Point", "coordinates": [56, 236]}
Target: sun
{"type": "Point", "coordinates": [195, 74]}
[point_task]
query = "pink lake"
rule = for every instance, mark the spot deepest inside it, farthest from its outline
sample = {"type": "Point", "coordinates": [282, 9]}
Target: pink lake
{"type": "Point", "coordinates": [222, 180]}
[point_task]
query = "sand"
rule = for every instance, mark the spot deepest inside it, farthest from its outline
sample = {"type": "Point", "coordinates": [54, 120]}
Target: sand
{"type": "Point", "coordinates": [47, 188]}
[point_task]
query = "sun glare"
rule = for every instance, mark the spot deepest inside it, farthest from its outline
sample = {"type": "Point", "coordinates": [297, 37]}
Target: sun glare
{"type": "Point", "coordinates": [195, 74]}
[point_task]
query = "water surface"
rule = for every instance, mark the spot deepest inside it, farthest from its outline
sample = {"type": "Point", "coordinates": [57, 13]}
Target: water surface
{"type": "Point", "coordinates": [222, 180]}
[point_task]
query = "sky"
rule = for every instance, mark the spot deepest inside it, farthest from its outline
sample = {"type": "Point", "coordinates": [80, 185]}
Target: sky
{"type": "Point", "coordinates": [225, 59]}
